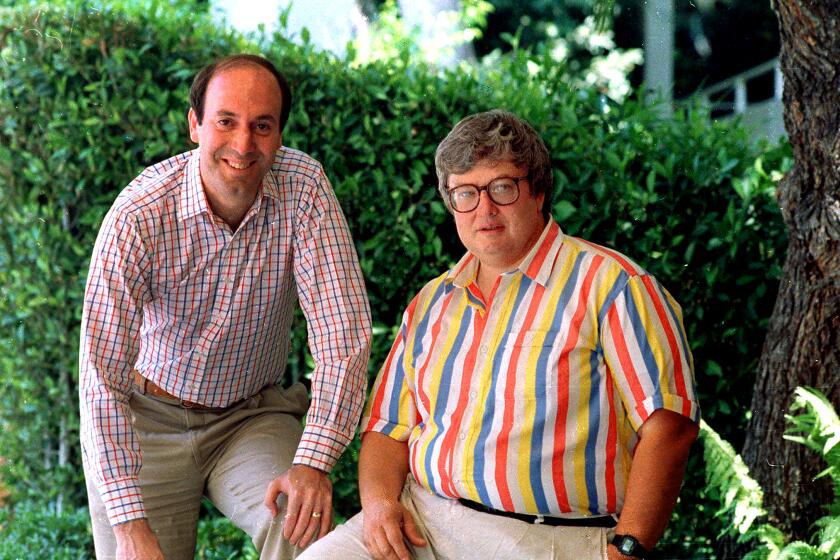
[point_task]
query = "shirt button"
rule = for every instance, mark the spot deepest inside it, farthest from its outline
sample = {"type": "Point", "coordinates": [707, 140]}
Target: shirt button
{"type": "Point", "coordinates": [473, 394]}
{"type": "Point", "coordinates": [484, 349]}
{"type": "Point", "coordinates": [462, 436]}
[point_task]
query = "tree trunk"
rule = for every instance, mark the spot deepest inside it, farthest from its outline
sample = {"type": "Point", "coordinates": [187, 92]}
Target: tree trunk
{"type": "Point", "coordinates": [803, 341]}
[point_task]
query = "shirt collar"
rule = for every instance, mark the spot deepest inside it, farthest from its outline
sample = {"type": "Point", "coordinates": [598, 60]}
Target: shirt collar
{"type": "Point", "coordinates": [537, 264]}
{"type": "Point", "coordinates": [193, 200]}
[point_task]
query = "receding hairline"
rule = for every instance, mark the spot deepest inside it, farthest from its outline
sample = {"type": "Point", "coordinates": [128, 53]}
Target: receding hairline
{"type": "Point", "coordinates": [238, 64]}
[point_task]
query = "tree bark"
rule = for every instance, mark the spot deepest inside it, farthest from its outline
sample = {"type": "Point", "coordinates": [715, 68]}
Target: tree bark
{"type": "Point", "coordinates": [802, 345]}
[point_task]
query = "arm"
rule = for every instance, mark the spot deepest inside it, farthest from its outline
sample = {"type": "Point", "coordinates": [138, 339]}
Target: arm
{"type": "Point", "coordinates": [111, 319]}
{"type": "Point", "coordinates": [655, 477]}
{"type": "Point", "coordinates": [650, 362]}
{"type": "Point", "coordinates": [332, 296]}
{"type": "Point", "coordinates": [383, 467]}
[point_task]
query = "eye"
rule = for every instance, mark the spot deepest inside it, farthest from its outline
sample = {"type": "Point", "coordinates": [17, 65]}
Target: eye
{"type": "Point", "coordinates": [263, 127]}
{"type": "Point", "coordinates": [224, 123]}
{"type": "Point", "coordinates": [465, 193]}
{"type": "Point", "coordinates": [503, 186]}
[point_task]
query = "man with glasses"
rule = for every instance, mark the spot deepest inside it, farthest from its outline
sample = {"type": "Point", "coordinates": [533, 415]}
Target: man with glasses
{"type": "Point", "coordinates": [538, 401]}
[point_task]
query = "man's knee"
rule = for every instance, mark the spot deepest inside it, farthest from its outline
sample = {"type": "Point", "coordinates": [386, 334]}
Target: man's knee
{"type": "Point", "coordinates": [345, 542]}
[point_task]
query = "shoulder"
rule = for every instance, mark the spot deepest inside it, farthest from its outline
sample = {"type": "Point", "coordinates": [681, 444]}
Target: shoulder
{"type": "Point", "coordinates": [610, 260]}
{"type": "Point", "coordinates": [153, 188]}
{"type": "Point", "coordinates": [429, 296]}
{"type": "Point", "coordinates": [298, 165]}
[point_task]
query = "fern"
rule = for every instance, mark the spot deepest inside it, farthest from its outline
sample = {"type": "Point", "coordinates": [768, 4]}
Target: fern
{"type": "Point", "coordinates": [815, 425]}
{"type": "Point", "coordinates": [818, 427]}
{"type": "Point", "coordinates": [740, 495]}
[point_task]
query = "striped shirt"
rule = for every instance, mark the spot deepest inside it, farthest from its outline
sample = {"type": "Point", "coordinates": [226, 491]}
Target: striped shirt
{"type": "Point", "coordinates": [530, 401]}
{"type": "Point", "coordinates": [205, 312]}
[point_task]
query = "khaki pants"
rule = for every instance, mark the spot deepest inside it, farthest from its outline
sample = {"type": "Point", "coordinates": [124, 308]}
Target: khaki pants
{"type": "Point", "coordinates": [230, 457]}
{"type": "Point", "coordinates": [454, 531]}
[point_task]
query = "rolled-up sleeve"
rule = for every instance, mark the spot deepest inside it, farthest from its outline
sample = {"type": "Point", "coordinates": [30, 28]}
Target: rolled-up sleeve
{"type": "Point", "coordinates": [645, 347]}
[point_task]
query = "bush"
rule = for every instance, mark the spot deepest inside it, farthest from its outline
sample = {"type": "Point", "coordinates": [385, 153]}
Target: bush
{"type": "Point", "coordinates": [90, 96]}
{"type": "Point", "coordinates": [29, 527]}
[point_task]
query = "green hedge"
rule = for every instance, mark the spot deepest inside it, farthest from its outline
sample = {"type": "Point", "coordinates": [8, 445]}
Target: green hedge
{"type": "Point", "coordinates": [88, 97]}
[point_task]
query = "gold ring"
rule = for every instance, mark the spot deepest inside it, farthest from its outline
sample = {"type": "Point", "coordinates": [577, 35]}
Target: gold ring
{"type": "Point", "coordinates": [316, 514]}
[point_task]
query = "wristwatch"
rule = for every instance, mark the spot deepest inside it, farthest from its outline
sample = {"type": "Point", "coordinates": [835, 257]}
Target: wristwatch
{"type": "Point", "coordinates": [629, 545]}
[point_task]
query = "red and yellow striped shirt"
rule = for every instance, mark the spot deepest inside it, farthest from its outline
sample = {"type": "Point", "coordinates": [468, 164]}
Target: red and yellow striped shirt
{"type": "Point", "coordinates": [530, 402]}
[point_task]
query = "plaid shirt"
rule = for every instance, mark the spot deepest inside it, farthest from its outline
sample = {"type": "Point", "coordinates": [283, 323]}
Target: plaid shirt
{"type": "Point", "coordinates": [530, 402]}
{"type": "Point", "coordinates": [205, 312]}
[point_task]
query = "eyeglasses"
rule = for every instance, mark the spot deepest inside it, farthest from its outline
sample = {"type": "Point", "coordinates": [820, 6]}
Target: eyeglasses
{"type": "Point", "coordinates": [501, 190]}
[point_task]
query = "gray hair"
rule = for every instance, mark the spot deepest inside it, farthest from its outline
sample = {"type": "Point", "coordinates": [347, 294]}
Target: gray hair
{"type": "Point", "coordinates": [495, 135]}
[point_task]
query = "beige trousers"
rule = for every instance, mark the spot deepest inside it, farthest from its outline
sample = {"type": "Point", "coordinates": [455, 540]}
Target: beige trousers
{"type": "Point", "coordinates": [230, 457]}
{"type": "Point", "coordinates": [454, 531]}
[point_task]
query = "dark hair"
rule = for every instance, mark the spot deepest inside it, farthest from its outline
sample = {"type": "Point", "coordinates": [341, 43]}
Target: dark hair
{"type": "Point", "coordinates": [198, 90]}
{"type": "Point", "coordinates": [496, 136]}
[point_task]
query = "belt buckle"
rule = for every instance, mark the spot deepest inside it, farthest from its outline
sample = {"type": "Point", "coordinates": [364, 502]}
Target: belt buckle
{"type": "Point", "coordinates": [190, 405]}
{"type": "Point", "coordinates": [539, 519]}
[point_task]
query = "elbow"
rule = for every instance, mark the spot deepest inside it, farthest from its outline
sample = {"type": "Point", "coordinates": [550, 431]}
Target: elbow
{"type": "Point", "coordinates": [671, 429]}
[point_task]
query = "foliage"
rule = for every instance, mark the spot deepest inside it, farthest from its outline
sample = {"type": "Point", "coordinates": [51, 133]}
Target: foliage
{"type": "Point", "coordinates": [713, 40]}
{"type": "Point", "coordinates": [390, 38]}
{"type": "Point", "coordinates": [90, 95]}
{"type": "Point", "coordinates": [740, 496]}
{"type": "Point", "coordinates": [817, 427]}
{"type": "Point", "coordinates": [219, 539]}
{"type": "Point", "coordinates": [29, 527]}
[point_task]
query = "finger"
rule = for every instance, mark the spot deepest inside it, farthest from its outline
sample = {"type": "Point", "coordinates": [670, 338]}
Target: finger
{"type": "Point", "coordinates": [271, 494]}
{"type": "Point", "coordinates": [326, 518]}
{"type": "Point", "coordinates": [312, 530]}
{"type": "Point", "coordinates": [411, 531]}
{"type": "Point", "coordinates": [290, 519]}
{"type": "Point", "coordinates": [303, 518]}
{"type": "Point", "coordinates": [383, 546]}
{"type": "Point", "coordinates": [396, 542]}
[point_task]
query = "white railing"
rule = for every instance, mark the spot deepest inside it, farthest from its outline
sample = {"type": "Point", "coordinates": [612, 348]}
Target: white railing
{"type": "Point", "coordinates": [715, 96]}
{"type": "Point", "coordinates": [730, 98]}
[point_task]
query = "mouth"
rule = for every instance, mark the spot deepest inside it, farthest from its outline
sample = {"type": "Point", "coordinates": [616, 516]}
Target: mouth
{"type": "Point", "coordinates": [492, 228]}
{"type": "Point", "coordinates": [239, 165]}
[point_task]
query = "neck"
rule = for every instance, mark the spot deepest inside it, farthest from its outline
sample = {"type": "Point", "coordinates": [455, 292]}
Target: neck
{"type": "Point", "coordinates": [486, 277]}
{"type": "Point", "coordinates": [231, 208]}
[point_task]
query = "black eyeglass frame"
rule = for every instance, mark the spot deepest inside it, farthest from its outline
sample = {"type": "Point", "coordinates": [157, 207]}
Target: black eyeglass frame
{"type": "Point", "coordinates": [485, 187]}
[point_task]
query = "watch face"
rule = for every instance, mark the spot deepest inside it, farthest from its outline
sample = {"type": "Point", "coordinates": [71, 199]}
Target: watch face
{"type": "Point", "coordinates": [627, 546]}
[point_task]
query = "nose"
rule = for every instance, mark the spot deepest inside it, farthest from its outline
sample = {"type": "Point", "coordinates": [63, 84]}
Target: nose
{"type": "Point", "coordinates": [242, 140]}
{"type": "Point", "coordinates": [486, 204]}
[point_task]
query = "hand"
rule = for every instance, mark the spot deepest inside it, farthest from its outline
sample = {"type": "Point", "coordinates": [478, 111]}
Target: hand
{"type": "Point", "coordinates": [309, 508]}
{"type": "Point", "coordinates": [137, 541]}
{"type": "Point", "coordinates": [387, 524]}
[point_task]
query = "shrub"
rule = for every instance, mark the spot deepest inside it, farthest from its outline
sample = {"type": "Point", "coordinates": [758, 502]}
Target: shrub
{"type": "Point", "coordinates": [29, 527]}
{"type": "Point", "coordinates": [89, 96]}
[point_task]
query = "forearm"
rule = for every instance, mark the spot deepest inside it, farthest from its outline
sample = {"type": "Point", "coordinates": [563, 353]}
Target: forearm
{"type": "Point", "coordinates": [383, 467]}
{"type": "Point", "coordinates": [656, 475]}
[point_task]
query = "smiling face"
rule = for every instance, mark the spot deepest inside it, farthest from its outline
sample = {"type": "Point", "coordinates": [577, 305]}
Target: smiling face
{"type": "Point", "coordinates": [240, 131]}
{"type": "Point", "coordinates": [500, 236]}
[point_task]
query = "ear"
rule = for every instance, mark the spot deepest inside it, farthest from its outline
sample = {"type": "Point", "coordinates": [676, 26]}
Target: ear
{"type": "Point", "coordinates": [192, 118]}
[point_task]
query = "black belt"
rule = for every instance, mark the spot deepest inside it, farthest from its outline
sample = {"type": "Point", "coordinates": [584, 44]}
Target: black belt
{"type": "Point", "coordinates": [601, 521]}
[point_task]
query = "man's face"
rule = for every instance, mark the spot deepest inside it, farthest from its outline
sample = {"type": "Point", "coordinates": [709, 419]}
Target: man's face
{"type": "Point", "coordinates": [240, 131]}
{"type": "Point", "coordinates": [500, 236]}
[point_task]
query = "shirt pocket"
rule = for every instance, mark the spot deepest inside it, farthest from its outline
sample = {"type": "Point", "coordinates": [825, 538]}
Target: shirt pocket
{"type": "Point", "coordinates": [532, 338]}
